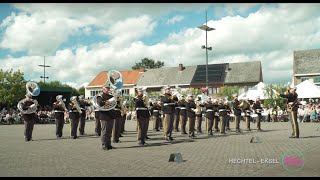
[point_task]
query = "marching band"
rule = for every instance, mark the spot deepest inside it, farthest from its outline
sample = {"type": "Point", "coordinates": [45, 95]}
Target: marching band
{"type": "Point", "coordinates": [110, 111]}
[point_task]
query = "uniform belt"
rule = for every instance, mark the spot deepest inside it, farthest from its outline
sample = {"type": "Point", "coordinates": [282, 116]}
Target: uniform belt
{"type": "Point", "coordinates": [116, 109]}
{"type": "Point", "coordinates": [58, 111]}
{"type": "Point", "coordinates": [74, 111]}
{"type": "Point", "coordinates": [82, 109]}
{"type": "Point", "coordinates": [155, 110]}
{"type": "Point", "coordinates": [168, 104]}
{"type": "Point", "coordinates": [177, 107]}
{"type": "Point", "coordinates": [223, 110]}
{"type": "Point", "coordinates": [141, 108]}
{"type": "Point", "coordinates": [209, 110]}
{"type": "Point", "coordinates": [182, 108]}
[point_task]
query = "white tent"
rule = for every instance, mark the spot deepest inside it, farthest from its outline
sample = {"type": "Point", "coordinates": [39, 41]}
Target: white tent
{"type": "Point", "coordinates": [254, 92]}
{"type": "Point", "coordinates": [307, 89]}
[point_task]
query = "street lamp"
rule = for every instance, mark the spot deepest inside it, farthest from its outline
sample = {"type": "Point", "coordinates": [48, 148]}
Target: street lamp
{"type": "Point", "coordinates": [206, 28]}
{"type": "Point", "coordinates": [44, 70]}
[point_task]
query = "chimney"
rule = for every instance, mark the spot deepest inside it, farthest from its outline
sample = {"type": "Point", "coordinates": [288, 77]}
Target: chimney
{"type": "Point", "coordinates": [181, 67]}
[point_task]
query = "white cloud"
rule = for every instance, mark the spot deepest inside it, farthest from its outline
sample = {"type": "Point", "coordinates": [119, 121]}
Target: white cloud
{"type": "Point", "coordinates": [269, 35]}
{"type": "Point", "coordinates": [175, 19]}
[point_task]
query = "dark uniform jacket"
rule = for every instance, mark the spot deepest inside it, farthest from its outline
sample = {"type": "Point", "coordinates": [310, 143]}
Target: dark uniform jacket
{"type": "Point", "coordinates": [291, 98]}
{"type": "Point", "coordinates": [102, 99]}
{"type": "Point", "coordinates": [189, 105]}
{"type": "Point", "coordinates": [83, 105]}
{"type": "Point", "coordinates": [57, 107]}
{"type": "Point", "coordinates": [73, 112]}
{"type": "Point", "coordinates": [118, 107]}
{"type": "Point", "coordinates": [155, 110]}
{"type": "Point", "coordinates": [168, 108]}
{"type": "Point", "coordinates": [222, 107]}
{"type": "Point", "coordinates": [257, 105]}
{"type": "Point", "coordinates": [209, 114]}
{"type": "Point", "coordinates": [139, 103]}
{"type": "Point", "coordinates": [25, 105]}
{"type": "Point", "coordinates": [236, 110]}
{"type": "Point", "coordinates": [182, 106]}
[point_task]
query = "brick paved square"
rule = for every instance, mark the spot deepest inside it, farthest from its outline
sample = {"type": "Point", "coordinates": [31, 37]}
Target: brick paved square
{"type": "Point", "coordinates": [203, 156]}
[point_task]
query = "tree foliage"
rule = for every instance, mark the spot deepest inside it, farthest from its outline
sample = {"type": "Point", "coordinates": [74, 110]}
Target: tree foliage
{"type": "Point", "coordinates": [147, 63]}
{"type": "Point", "coordinates": [228, 91]}
{"type": "Point", "coordinates": [12, 87]}
{"type": "Point", "coordinates": [273, 100]}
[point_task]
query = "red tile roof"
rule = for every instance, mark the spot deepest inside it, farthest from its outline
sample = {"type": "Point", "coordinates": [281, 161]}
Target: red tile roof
{"type": "Point", "coordinates": [129, 77]}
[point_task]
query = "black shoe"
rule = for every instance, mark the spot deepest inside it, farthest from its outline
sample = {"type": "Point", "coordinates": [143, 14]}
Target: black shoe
{"type": "Point", "coordinates": [110, 147]}
{"type": "Point", "coordinates": [171, 139]}
{"type": "Point", "coordinates": [75, 137]}
{"type": "Point", "coordinates": [248, 129]}
{"type": "Point", "coordinates": [141, 143]}
{"type": "Point", "coordinates": [184, 133]}
{"type": "Point", "coordinates": [120, 135]}
{"type": "Point", "coordinates": [157, 129]}
{"type": "Point", "coordinates": [116, 141]}
{"type": "Point", "coordinates": [148, 137]}
{"type": "Point", "coordinates": [82, 134]}
{"type": "Point", "coordinates": [293, 137]}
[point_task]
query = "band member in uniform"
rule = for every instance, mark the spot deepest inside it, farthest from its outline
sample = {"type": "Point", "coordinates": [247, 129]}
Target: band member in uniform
{"type": "Point", "coordinates": [143, 115]}
{"type": "Point", "coordinates": [257, 107]}
{"type": "Point", "coordinates": [83, 104]}
{"type": "Point", "coordinates": [292, 108]}
{"type": "Point", "coordinates": [199, 106]}
{"type": "Point", "coordinates": [74, 115]}
{"type": "Point", "coordinates": [222, 116]}
{"type": "Point", "coordinates": [29, 119]}
{"type": "Point", "coordinates": [168, 107]}
{"type": "Point", "coordinates": [183, 115]}
{"type": "Point", "coordinates": [97, 128]}
{"type": "Point", "coordinates": [124, 115]}
{"type": "Point", "coordinates": [245, 106]}
{"type": "Point", "coordinates": [106, 117]}
{"type": "Point", "coordinates": [154, 110]}
{"type": "Point", "coordinates": [117, 121]}
{"type": "Point", "coordinates": [236, 112]}
{"type": "Point", "coordinates": [216, 116]}
{"type": "Point", "coordinates": [59, 109]}
{"type": "Point", "coordinates": [209, 115]}
{"type": "Point", "coordinates": [191, 109]}
{"type": "Point", "coordinates": [176, 116]}
{"type": "Point", "coordinates": [226, 104]}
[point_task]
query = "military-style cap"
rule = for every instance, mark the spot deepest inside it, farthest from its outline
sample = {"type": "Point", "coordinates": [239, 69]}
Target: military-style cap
{"type": "Point", "coordinates": [140, 89]}
{"type": "Point", "coordinates": [73, 98]}
{"type": "Point", "coordinates": [59, 97]}
{"type": "Point", "coordinates": [167, 87]}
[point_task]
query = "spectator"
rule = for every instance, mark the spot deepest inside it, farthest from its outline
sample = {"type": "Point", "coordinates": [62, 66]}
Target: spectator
{"type": "Point", "coordinates": [313, 114]}
{"type": "Point", "coordinates": [301, 113]}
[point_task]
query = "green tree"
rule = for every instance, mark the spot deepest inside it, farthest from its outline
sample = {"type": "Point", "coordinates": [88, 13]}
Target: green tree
{"type": "Point", "coordinates": [273, 100]}
{"type": "Point", "coordinates": [81, 90]}
{"type": "Point", "coordinates": [12, 87]}
{"type": "Point", "coordinates": [148, 64]}
{"type": "Point", "coordinates": [228, 91]}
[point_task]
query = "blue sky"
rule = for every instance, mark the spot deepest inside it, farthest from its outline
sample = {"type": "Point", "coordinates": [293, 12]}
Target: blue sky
{"type": "Point", "coordinates": [78, 39]}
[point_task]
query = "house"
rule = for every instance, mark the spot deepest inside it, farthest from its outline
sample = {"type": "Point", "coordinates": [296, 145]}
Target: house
{"type": "Point", "coordinates": [156, 79]}
{"type": "Point", "coordinates": [243, 74]}
{"type": "Point", "coordinates": [306, 66]}
{"type": "Point", "coordinates": [130, 78]}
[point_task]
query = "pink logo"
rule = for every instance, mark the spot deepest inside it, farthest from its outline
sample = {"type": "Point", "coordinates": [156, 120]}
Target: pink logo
{"type": "Point", "coordinates": [293, 160]}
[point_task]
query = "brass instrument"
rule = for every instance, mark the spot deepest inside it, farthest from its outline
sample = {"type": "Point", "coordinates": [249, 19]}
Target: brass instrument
{"type": "Point", "coordinates": [115, 81]}
{"type": "Point", "coordinates": [73, 99]}
{"type": "Point", "coordinates": [32, 89]}
{"type": "Point", "coordinates": [61, 103]}
{"type": "Point", "coordinates": [244, 105]}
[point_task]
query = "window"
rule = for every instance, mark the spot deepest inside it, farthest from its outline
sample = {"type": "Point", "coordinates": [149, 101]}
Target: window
{"type": "Point", "coordinates": [93, 93]}
{"type": "Point", "coordinates": [125, 91]}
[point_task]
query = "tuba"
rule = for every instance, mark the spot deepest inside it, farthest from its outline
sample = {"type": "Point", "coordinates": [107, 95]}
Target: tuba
{"type": "Point", "coordinates": [59, 99]}
{"type": "Point", "coordinates": [244, 105]}
{"type": "Point", "coordinates": [116, 82]}
{"type": "Point", "coordinates": [32, 89]}
{"type": "Point", "coordinates": [73, 99]}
